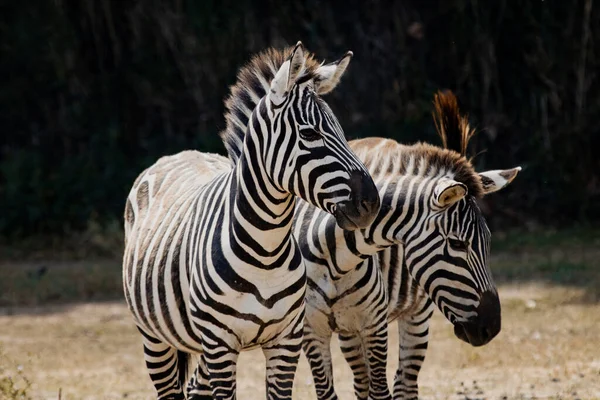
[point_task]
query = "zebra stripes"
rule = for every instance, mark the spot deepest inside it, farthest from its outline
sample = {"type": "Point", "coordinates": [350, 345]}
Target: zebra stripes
{"type": "Point", "coordinates": [210, 265]}
{"type": "Point", "coordinates": [428, 245]}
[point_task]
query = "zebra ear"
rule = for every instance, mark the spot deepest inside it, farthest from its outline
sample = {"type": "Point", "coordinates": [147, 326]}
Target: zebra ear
{"type": "Point", "coordinates": [495, 180]}
{"type": "Point", "coordinates": [448, 192]}
{"type": "Point", "coordinates": [288, 73]}
{"type": "Point", "coordinates": [329, 75]}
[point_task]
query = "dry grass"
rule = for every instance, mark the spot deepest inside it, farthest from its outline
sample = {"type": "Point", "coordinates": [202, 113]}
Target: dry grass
{"type": "Point", "coordinates": [548, 348]}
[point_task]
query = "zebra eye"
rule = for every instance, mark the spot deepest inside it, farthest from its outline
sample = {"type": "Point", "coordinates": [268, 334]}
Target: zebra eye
{"type": "Point", "coordinates": [309, 134]}
{"type": "Point", "coordinates": [458, 245]}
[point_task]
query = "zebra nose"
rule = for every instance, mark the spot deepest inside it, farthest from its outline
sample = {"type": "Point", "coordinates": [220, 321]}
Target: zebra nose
{"type": "Point", "coordinates": [364, 195]}
{"type": "Point", "coordinates": [489, 313]}
{"type": "Point", "coordinates": [363, 204]}
{"type": "Point", "coordinates": [486, 325]}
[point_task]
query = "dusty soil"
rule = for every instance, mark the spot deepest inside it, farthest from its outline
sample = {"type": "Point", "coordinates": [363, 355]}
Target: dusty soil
{"type": "Point", "coordinates": [549, 347]}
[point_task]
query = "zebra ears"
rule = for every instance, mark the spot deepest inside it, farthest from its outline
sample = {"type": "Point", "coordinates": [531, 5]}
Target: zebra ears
{"type": "Point", "coordinates": [288, 73]}
{"type": "Point", "coordinates": [495, 180]}
{"type": "Point", "coordinates": [448, 192]}
{"type": "Point", "coordinates": [329, 75]}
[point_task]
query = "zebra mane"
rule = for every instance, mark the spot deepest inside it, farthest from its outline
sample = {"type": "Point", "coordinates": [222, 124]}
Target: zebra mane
{"type": "Point", "coordinates": [452, 127]}
{"type": "Point", "coordinates": [253, 83]}
{"type": "Point", "coordinates": [386, 156]}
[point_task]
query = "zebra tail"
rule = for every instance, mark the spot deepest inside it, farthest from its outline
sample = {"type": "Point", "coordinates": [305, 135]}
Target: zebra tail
{"type": "Point", "coordinates": [184, 363]}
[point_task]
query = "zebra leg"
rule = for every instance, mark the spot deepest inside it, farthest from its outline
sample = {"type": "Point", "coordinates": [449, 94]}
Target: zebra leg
{"type": "Point", "coordinates": [221, 365]}
{"type": "Point", "coordinates": [199, 385]}
{"type": "Point", "coordinates": [353, 351]}
{"type": "Point", "coordinates": [318, 352]}
{"type": "Point", "coordinates": [164, 366]}
{"type": "Point", "coordinates": [282, 360]}
{"type": "Point", "coordinates": [414, 338]}
{"type": "Point", "coordinates": [376, 346]}
{"type": "Point", "coordinates": [366, 354]}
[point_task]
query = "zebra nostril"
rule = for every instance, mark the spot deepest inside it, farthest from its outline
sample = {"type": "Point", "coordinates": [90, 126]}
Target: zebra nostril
{"type": "Point", "coordinates": [484, 333]}
{"type": "Point", "coordinates": [366, 205]}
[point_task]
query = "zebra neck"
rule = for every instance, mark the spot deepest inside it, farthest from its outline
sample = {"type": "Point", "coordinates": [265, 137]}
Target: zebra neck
{"type": "Point", "coordinates": [261, 212]}
{"type": "Point", "coordinates": [400, 215]}
{"type": "Point", "coordinates": [339, 248]}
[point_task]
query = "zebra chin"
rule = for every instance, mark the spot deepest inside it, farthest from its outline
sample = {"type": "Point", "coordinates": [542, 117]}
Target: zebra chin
{"type": "Point", "coordinates": [485, 326]}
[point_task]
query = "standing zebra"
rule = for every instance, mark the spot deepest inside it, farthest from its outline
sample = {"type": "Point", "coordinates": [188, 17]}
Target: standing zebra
{"type": "Point", "coordinates": [210, 265]}
{"type": "Point", "coordinates": [436, 245]}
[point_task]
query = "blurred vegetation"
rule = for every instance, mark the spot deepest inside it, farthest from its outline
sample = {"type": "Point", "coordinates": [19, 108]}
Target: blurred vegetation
{"type": "Point", "coordinates": [90, 270]}
{"type": "Point", "coordinates": [14, 385]}
{"type": "Point", "coordinates": [94, 91]}
{"type": "Point", "coordinates": [567, 257]}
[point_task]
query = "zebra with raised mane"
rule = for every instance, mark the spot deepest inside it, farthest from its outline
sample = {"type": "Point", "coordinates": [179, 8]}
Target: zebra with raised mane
{"type": "Point", "coordinates": [210, 266]}
{"type": "Point", "coordinates": [436, 245]}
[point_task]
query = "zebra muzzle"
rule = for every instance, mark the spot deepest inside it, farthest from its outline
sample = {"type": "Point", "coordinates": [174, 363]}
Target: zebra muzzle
{"type": "Point", "coordinates": [485, 326]}
{"type": "Point", "coordinates": [361, 209]}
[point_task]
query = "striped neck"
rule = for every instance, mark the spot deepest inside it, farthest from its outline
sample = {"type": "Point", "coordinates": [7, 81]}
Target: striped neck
{"type": "Point", "coordinates": [262, 213]}
{"type": "Point", "coordinates": [401, 215]}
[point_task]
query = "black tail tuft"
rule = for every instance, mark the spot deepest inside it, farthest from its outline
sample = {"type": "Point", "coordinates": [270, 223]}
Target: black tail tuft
{"type": "Point", "coordinates": [183, 364]}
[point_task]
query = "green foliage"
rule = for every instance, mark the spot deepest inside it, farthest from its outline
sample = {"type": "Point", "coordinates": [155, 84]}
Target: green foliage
{"type": "Point", "coordinates": [96, 91]}
{"type": "Point", "coordinates": [88, 267]}
{"type": "Point", "coordinates": [566, 257]}
{"type": "Point", "coordinates": [44, 283]}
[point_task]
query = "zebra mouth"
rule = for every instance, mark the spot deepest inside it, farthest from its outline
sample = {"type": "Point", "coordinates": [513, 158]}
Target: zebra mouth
{"type": "Point", "coordinates": [343, 220]}
{"type": "Point", "coordinates": [485, 326]}
{"type": "Point", "coordinates": [473, 334]}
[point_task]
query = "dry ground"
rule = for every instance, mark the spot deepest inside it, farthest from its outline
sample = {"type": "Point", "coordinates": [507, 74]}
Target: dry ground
{"type": "Point", "coordinates": [549, 347]}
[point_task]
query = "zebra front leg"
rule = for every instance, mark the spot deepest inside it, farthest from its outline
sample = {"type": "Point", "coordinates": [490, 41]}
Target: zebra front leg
{"type": "Point", "coordinates": [221, 365]}
{"type": "Point", "coordinates": [318, 353]}
{"type": "Point", "coordinates": [414, 338]}
{"type": "Point", "coordinates": [199, 384]}
{"type": "Point", "coordinates": [282, 361]}
{"type": "Point", "coordinates": [354, 353]}
{"type": "Point", "coordinates": [366, 354]}
{"type": "Point", "coordinates": [376, 348]}
{"type": "Point", "coordinates": [165, 368]}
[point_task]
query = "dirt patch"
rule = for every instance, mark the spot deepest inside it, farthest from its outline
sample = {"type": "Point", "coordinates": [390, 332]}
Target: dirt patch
{"type": "Point", "coordinates": [548, 348]}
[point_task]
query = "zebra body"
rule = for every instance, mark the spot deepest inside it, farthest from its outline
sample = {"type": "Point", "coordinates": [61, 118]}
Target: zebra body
{"type": "Point", "coordinates": [428, 245]}
{"type": "Point", "coordinates": [210, 266]}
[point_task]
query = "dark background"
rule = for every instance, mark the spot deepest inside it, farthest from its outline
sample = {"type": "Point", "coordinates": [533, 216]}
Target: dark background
{"type": "Point", "coordinates": [93, 92]}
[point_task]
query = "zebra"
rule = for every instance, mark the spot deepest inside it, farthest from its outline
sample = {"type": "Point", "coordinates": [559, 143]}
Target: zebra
{"type": "Point", "coordinates": [428, 245]}
{"type": "Point", "coordinates": [210, 266]}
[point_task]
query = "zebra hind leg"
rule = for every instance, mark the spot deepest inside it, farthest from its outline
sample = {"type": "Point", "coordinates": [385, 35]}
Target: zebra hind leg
{"type": "Point", "coordinates": [199, 385]}
{"type": "Point", "coordinates": [165, 367]}
{"type": "Point", "coordinates": [414, 339]}
{"type": "Point", "coordinates": [318, 353]}
{"type": "Point", "coordinates": [282, 360]}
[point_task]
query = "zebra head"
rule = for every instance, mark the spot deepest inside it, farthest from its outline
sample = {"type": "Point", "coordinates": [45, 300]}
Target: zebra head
{"type": "Point", "coordinates": [451, 263]}
{"type": "Point", "coordinates": [451, 260]}
{"type": "Point", "coordinates": [299, 140]}
{"type": "Point", "coordinates": [429, 210]}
